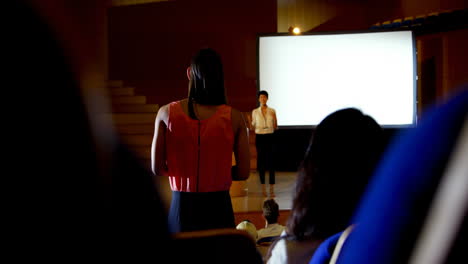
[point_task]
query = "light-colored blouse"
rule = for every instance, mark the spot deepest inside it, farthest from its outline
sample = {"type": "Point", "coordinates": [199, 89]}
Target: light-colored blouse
{"type": "Point", "coordinates": [264, 124]}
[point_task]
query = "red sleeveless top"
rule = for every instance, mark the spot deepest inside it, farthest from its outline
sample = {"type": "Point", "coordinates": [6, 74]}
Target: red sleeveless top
{"type": "Point", "coordinates": [199, 152]}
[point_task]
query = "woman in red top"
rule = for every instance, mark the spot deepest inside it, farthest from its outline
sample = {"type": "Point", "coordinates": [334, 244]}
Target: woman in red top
{"type": "Point", "coordinates": [193, 143]}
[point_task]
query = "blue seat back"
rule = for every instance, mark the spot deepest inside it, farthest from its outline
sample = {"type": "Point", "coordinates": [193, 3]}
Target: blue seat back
{"type": "Point", "coordinates": [393, 210]}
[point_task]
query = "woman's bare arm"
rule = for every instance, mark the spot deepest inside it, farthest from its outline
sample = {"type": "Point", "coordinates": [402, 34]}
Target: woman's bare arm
{"type": "Point", "coordinates": [241, 145]}
{"type": "Point", "coordinates": [158, 146]}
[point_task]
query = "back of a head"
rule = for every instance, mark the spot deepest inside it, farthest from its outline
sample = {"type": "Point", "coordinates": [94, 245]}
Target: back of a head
{"type": "Point", "coordinates": [206, 84]}
{"type": "Point", "coordinates": [338, 164]}
{"type": "Point", "coordinates": [349, 139]}
{"type": "Point", "coordinates": [271, 211]}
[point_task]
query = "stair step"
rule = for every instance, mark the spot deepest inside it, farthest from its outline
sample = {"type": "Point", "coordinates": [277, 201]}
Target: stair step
{"type": "Point", "coordinates": [135, 129]}
{"type": "Point", "coordinates": [133, 118]}
{"type": "Point", "coordinates": [137, 108]}
{"type": "Point", "coordinates": [115, 83]}
{"type": "Point", "coordinates": [132, 141]}
{"type": "Point", "coordinates": [121, 91]}
{"type": "Point", "coordinates": [137, 99]}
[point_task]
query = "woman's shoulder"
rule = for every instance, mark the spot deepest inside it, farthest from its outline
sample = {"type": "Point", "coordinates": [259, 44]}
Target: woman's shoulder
{"type": "Point", "coordinates": [174, 103]}
{"type": "Point", "coordinates": [181, 102]}
{"type": "Point", "coordinates": [166, 107]}
{"type": "Point", "coordinates": [164, 110]}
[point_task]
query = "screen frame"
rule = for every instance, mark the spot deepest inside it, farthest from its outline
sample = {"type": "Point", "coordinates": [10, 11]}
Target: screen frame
{"type": "Point", "coordinates": [415, 68]}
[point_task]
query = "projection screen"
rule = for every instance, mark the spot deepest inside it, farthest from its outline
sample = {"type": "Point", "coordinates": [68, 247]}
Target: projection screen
{"type": "Point", "coordinates": [310, 76]}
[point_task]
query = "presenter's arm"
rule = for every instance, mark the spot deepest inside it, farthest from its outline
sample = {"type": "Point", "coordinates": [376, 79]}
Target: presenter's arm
{"type": "Point", "coordinates": [241, 145]}
{"type": "Point", "coordinates": [158, 146]}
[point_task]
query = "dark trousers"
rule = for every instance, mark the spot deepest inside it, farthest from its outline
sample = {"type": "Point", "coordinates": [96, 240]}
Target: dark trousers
{"type": "Point", "coordinates": [265, 156]}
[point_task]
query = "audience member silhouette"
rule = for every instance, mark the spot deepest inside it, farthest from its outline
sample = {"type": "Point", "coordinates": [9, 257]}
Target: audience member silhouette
{"type": "Point", "coordinates": [193, 144]}
{"type": "Point", "coordinates": [84, 195]}
{"type": "Point", "coordinates": [338, 163]}
{"type": "Point", "coordinates": [272, 228]}
{"type": "Point", "coordinates": [415, 208]}
{"type": "Point", "coordinates": [249, 227]}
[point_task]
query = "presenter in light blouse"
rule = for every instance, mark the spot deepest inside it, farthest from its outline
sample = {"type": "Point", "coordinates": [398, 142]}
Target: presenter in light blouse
{"type": "Point", "coordinates": [264, 122]}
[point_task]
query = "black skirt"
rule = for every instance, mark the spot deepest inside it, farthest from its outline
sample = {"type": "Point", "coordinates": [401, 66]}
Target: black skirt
{"type": "Point", "coordinates": [191, 211]}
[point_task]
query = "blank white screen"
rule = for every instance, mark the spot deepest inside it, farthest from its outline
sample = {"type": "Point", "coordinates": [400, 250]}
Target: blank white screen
{"type": "Point", "coordinates": [310, 76]}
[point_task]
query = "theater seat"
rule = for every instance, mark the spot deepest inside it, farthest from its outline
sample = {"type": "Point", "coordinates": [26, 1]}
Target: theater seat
{"type": "Point", "coordinates": [375, 26]}
{"type": "Point", "coordinates": [407, 22]}
{"type": "Point", "coordinates": [215, 246]}
{"type": "Point", "coordinates": [397, 210]}
{"type": "Point", "coordinates": [386, 24]}
{"type": "Point", "coordinates": [418, 21]}
{"type": "Point", "coordinates": [396, 23]}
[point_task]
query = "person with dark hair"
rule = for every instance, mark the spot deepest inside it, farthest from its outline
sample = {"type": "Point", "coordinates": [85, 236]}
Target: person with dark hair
{"type": "Point", "coordinates": [264, 122]}
{"type": "Point", "coordinates": [272, 228]}
{"type": "Point", "coordinates": [340, 159]}
{"type": "Point", "coordinates": [193, 143]}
